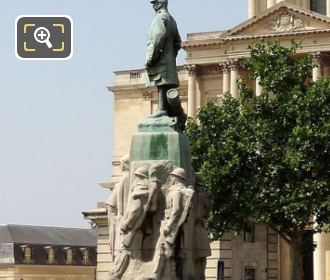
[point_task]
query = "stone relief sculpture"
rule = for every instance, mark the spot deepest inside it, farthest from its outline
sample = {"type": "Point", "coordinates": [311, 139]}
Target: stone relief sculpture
{"type": "Point", "coordinates": [116, 205]}
{"type": "Point", "coordinates": [161, 226]}
{"type": "Point", "coordinates": [141, 200]}
{"type": "Point", "coordinates": [200, 241]}
{"type": "Point", "coordinates": [288, 22]}
{"type": "Point", "coordinates": [173, 218]}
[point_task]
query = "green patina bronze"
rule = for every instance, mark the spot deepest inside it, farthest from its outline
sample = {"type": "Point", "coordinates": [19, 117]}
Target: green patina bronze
{"type": "Point", "coordinates": [165, 146]}
{"type": "Point", "coordinates": [158, 146]}
{"type": "Point", "coordinates": [164, 42]}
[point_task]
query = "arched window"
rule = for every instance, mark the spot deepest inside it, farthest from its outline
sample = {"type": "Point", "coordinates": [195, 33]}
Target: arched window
{"type": "Point", "coordinates": [319, 6]}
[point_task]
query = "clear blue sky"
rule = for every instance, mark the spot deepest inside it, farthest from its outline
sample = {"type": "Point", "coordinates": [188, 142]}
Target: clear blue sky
{"type": "Point", "coordinates": [56, 117]}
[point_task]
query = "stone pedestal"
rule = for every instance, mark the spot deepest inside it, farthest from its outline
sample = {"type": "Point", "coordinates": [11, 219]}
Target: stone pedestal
{"type": "Point", "coordinates": [162, 146]}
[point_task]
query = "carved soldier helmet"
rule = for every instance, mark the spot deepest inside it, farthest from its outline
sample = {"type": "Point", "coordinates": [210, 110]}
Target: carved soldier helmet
{"type": "Point", "coordinates": [142, 171]}
{"type": "Point", "coordinates": [179, 172]}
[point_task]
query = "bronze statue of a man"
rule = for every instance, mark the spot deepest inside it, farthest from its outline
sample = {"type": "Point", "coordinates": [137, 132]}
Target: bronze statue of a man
{"type": "Point", "coordinates": [164, 42]}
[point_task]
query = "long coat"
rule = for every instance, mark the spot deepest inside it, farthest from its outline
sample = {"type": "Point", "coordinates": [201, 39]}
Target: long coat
{"type": "Point", "coordinates": [164, 42]}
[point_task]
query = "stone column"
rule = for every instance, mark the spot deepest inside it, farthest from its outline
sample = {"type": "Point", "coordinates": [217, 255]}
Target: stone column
{"type": "Point", "coordinates": [192, 70]}
{"type": "Point", "coordinates": [328, 265]}
{"type": "Point", "coordinates": [258, 87]}
{"type": "Point", "coordinates": [225, 78]}
{"type": "Point", "coordinates": [321, 255]}
{"type": "Point", "coordinates": [233, 79]}
{"type": "Point", "coordinates": [252, 8]}
{"type": "Point", "coordinates": [306, 4]}
{"type": "Point", "coordinates": [270, 3]}
{"type": "Point", "coordinates": [318, 259]}
{"type": "Point", "coordinates": [328, 8]}
{"type": "Point", "coordinates": [317, 70]}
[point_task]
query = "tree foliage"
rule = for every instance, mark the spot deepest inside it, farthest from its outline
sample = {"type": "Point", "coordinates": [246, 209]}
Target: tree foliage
{"type": "Point", "coordinates": [267, 157]}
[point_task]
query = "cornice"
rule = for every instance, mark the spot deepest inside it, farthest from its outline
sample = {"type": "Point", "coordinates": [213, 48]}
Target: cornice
{"type": "Point", "coordinates": [223, 41]}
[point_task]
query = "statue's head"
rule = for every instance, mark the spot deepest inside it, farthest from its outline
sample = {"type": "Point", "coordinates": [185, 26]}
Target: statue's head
{"type": "Point", "coordinates": [124, 163]}
{"type": "Point", "coordinates": [159, 4]}
{"type": "Point", "coordinates": [179, 175]}
{"type": "Point", "coordinates": [142, 173]}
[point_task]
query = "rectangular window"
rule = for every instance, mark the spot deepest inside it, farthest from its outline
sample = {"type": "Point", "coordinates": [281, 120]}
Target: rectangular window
{"type": "Point", "coordinates": [249, 274]}
{"type": "Point", "coordinates": [249, 235]}
{"type": "Point", "coordinates": [319, 6]}
{"type": "Point", "coordinates": [85, 256]}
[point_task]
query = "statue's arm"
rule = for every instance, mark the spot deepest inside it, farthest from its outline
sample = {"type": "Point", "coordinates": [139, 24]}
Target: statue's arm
{"type": "Point", "coordinates": [176, 211]}
{"type": "Point", "coordinates": [112, 201]}
{"type": "Point", "coordinates": [154, 199]}
{"type": "Point", "coordinates": [157, 39]}
{"type": "Point", "coordinates": [177, 41]}
{"type": "Point", "coordinates": [134, 212]}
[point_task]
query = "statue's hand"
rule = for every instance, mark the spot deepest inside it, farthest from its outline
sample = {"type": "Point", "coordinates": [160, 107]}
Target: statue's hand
{"type": "Point", "coordinates": [148, 63]}
{"type": "Point", "coordinates": [166, 231]}
{"type": "Point", "coordinates": [124, 228]}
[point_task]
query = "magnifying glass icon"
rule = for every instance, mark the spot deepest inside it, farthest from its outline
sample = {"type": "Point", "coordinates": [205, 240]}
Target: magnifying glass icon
{"type": "Point", "coordinates": [42, 35]}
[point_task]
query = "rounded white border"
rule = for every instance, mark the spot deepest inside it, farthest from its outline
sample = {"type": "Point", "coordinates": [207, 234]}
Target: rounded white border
{"type": "Point", "coordinates": [65, 58]}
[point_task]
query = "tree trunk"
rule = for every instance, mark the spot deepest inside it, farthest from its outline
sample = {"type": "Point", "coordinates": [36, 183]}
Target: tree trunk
{"type": "Point", "coordinates": [296, 262]}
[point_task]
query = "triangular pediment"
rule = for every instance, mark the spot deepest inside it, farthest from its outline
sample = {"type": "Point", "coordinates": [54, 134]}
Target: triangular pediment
{"type": "Point", "coordinates": [281, 18]}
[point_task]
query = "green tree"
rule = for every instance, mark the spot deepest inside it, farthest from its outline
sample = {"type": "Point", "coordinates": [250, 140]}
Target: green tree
{"type": "Point", "coordinates": [267, 158]}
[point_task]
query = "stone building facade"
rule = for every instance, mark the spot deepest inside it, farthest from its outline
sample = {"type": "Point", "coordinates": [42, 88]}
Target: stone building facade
{"type": "Point", "coordinates": [211, 69]}
{"type": "Point", "coordinates": [52, 253]}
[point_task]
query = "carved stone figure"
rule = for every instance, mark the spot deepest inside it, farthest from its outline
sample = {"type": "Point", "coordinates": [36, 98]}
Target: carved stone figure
{"type": "Point", "coordinates": [200, 241]}
{"type": "Point", "coordinates": [116, 206]}
{"type": "Point", "coordinates": [176, 209]}
{"type": "Point", "coordinates": [164, 42]}
{"type": "Point", "coordinates": [141, 200]}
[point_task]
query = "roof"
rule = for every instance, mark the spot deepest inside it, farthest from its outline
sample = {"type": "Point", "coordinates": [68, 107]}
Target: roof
{"type": "Point", "coordinates": [44, 235]}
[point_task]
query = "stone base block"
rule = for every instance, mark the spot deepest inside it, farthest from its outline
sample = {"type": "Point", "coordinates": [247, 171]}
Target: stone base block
{"type": "Point", "coordinates": [162, 146]}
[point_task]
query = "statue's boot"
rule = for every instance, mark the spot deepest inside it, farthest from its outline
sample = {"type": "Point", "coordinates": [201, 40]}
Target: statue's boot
{"type": "Point", "coordinates": [159, 267]}
{"type": "Point", "coordinates": [121, 266]}
{"type": "Point", "coordinates": [158, 114]}
{"type": "Point", "coordinates": [162, 103]}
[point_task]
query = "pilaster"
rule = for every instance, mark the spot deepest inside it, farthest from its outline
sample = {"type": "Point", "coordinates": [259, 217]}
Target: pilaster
{"type": "Point", "coordinates": [306, 4]}
{"type": "Point", "coordinates": [99, 220]}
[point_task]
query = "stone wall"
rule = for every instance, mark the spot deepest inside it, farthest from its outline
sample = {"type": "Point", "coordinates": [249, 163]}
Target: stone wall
{"type": "Point", "coordinates": [47, 272]}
